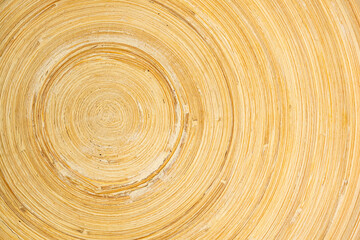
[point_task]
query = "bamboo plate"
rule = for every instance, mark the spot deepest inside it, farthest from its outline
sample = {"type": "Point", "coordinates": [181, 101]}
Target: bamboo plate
{"type": "Point", "coordinates": [179, 119]}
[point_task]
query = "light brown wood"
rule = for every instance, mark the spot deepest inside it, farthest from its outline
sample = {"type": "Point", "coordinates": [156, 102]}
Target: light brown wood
{"type": "Point", "coordinates": [229, 119]}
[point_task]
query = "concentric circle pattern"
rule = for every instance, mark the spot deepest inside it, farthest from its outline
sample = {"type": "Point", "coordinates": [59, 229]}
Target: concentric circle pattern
{"type": "Point", "coordinates": [179, 119]}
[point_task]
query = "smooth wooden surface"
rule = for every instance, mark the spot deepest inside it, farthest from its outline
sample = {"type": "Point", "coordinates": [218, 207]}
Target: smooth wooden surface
{"type": "Point", "coordinates": [229, 119]}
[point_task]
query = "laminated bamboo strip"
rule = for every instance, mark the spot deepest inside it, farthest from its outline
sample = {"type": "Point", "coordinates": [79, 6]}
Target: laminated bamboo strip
{"type": "Point", "coordinates": [179, 119]}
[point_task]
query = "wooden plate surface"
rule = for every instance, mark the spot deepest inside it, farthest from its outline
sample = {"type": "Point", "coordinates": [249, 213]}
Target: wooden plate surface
{"type": "Point", "coordinates": [180, 119]}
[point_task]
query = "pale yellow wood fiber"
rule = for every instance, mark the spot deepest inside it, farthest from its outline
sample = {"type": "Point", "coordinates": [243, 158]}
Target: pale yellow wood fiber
{"type": "Point", "coordinates": [180, 119]}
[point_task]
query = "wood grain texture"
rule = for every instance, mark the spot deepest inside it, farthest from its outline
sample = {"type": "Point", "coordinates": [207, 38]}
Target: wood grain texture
{"type": "Point", "coordinates": [179, 119]}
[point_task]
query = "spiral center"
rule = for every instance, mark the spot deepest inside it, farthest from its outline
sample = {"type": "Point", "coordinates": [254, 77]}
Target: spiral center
{"type": "Point", "coordinates": [111, 117]}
